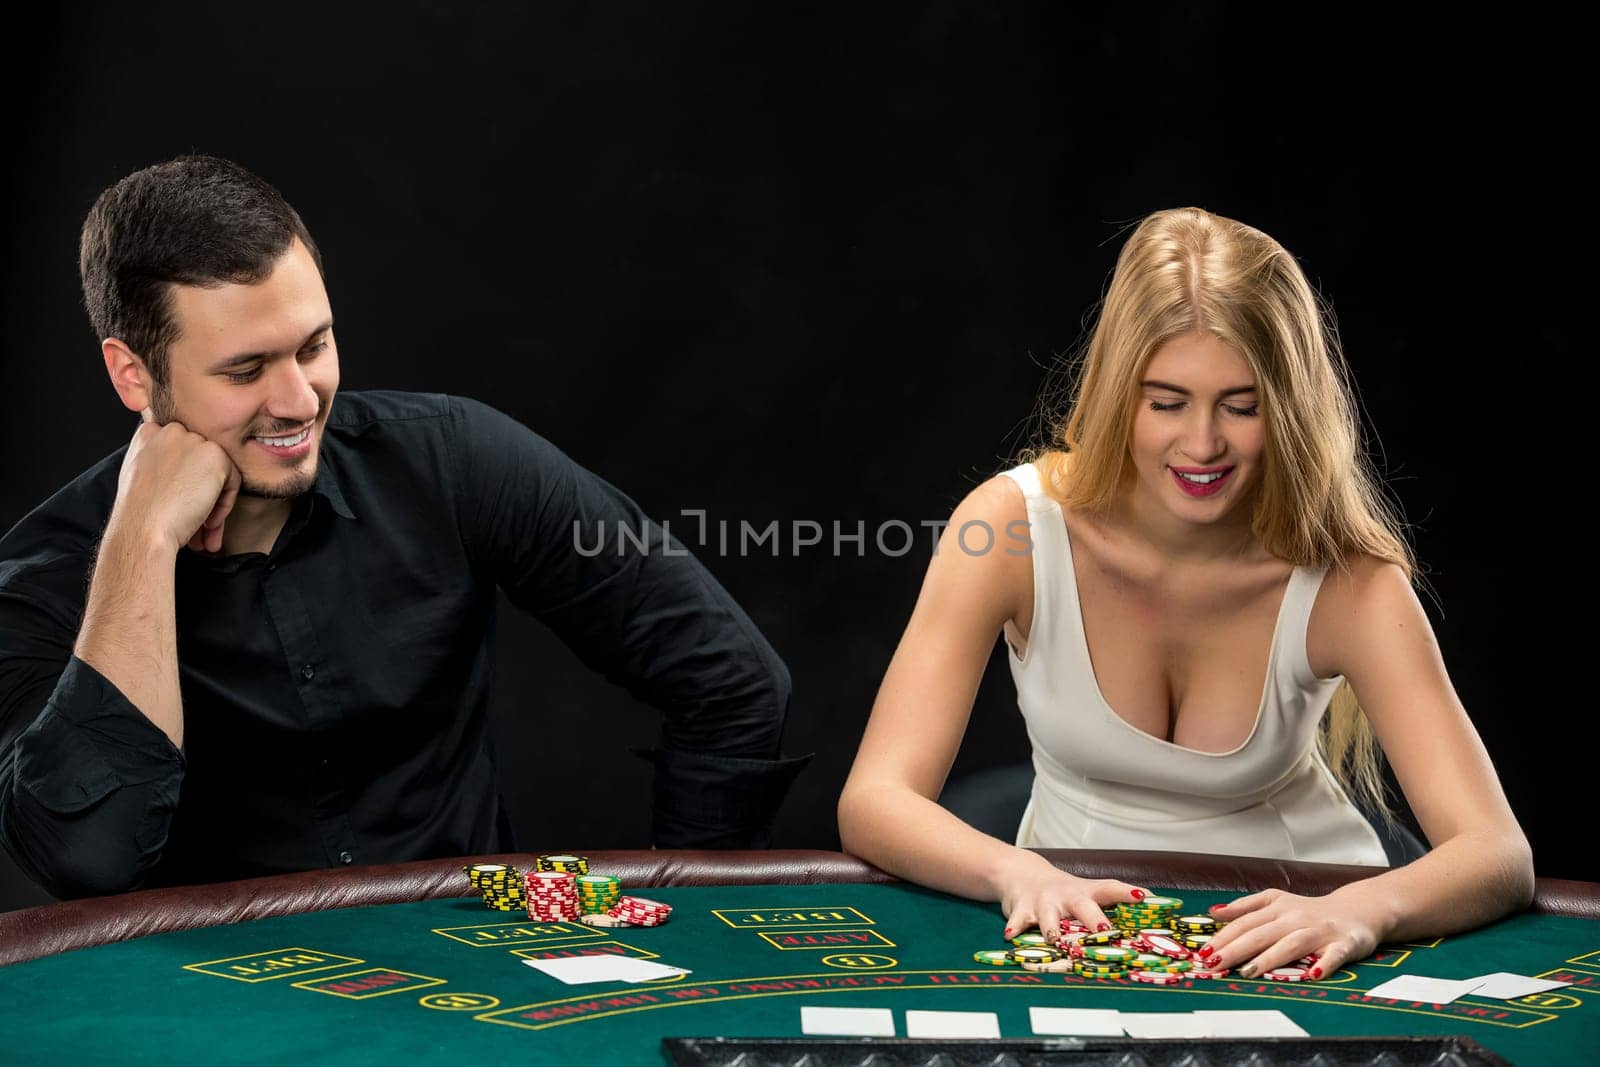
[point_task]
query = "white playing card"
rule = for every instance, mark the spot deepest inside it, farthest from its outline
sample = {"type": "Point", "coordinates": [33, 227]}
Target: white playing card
{"type": "Point", "coordinates": [582, 969]}
{"type": "Point", "coordinates": [1249, 1024]}
{"type": "Point", "coordinates": [952, 1024]}
{"type": "Point", "coordinates": [1503, 985]}
{"type": "Point", "coordinates": [847, 1022]}
{"type": "Point", "coordinates": [1080, 1022]}
{"type": "Point", "coordinates": [1162, 1024]}
{"type": "Point", "coordinates": [1415, 987]}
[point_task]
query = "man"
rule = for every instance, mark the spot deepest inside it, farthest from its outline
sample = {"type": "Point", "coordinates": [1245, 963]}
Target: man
{"type": "Point", "coordinates": [260, 638]}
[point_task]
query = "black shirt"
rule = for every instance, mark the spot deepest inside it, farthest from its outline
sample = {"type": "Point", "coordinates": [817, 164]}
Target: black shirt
{"type": "Point", "coordinates": [336, 689]}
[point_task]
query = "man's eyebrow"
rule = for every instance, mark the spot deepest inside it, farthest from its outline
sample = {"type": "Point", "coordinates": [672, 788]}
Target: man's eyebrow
{"type": "Point", "coordinates": [250, 357]}
{"type": "Point", "coordinates": [1151, 383]}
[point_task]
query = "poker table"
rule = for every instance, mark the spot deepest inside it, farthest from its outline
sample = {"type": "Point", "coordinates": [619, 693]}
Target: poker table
{"type": "Point", "coordinates": [401, 963]}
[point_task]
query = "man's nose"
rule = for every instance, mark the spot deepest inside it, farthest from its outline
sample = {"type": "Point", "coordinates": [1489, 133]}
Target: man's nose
{"type": "Point", "coordinates": [292, 398]}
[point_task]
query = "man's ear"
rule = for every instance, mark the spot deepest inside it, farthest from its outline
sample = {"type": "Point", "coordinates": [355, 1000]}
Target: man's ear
{"type": "Point", "coordinates": [129, 376]}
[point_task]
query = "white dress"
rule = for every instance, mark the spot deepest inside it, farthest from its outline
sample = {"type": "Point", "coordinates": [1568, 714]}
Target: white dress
{"type": "Point", "coordinates": [1100, 782]}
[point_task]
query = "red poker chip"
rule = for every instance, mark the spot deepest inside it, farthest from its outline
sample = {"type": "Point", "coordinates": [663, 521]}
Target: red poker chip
{"type": "Point", "coordinates": [1287, 974]}
{"type": "Point", "coordinates": [1155, 977]}
{"type": "Point", "coordinates": [1166, 946]}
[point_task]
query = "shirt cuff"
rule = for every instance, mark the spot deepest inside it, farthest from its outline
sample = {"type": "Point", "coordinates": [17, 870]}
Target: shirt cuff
{"type": "Point", "coordinates": [707, 801]}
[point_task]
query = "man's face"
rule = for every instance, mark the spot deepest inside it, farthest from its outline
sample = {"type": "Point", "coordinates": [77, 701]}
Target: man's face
{"type": "Point", "coordinates": [254, 371]}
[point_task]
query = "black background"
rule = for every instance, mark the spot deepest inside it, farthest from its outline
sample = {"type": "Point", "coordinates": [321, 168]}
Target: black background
{"type": "Point", "coordinates": [818, 265]}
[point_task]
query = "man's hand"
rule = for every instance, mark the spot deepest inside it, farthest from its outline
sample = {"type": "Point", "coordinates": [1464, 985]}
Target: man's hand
{"type": "Point", "coordinates": [176, 487]}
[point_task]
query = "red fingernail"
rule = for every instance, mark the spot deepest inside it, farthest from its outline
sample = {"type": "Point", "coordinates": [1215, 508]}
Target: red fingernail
{"type": "Point", "coordinates": [1316, 972]}
{"type": "Point", "coordinates": [1102, 928]}
{"type": "Point", "coordinates": [1138, 894]}
{"type": "Point", "coordinates": [1217, 907]}
{"type": "Point", "coordinates": [1206, 950]}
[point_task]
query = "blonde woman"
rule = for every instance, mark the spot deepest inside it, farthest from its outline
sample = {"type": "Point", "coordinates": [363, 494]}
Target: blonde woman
{"type": "Point", "coordinates": [1210, 620]}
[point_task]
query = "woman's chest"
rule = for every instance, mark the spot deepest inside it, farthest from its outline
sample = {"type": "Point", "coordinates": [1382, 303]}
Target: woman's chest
{"type": "Point", "coordinates": [1182, 654]}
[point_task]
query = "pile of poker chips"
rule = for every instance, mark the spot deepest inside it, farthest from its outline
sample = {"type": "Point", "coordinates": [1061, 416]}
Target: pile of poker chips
{"type": "Point", "coordinates": [637, 911]}
{"type": "Point", "coordinates": [552, 896]}
{"type": "Point", "coordinates": [1152, 944]}
{"type": "Point", "coordinates": [501, 886]}
{"type": "Point", "coordinates": [1151, 912]}
{"type": "Point", "coordinates": [560, 888]}
{"type": "Point", "coordinates": [598, 893]}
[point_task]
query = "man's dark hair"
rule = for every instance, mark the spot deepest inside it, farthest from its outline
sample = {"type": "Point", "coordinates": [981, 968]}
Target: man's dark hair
{"type": "Point", "coordinates": [193, 220]}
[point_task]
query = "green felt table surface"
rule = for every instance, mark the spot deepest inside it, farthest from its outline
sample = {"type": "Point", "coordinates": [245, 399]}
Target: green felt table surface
{"type": "Point", "coordinates": [443, 979]}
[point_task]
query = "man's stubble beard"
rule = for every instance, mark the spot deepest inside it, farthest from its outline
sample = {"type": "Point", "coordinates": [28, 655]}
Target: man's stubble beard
{"type": "Point", "coordinates": [163, 411]}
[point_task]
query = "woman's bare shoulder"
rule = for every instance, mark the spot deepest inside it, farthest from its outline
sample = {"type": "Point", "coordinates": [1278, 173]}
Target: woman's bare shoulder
{"type": "Point", "coordinates": [1353, 591]}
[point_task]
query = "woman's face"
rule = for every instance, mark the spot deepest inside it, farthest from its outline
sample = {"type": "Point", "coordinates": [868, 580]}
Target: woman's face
{"type": "Point", "coordinates": [1198, 416]}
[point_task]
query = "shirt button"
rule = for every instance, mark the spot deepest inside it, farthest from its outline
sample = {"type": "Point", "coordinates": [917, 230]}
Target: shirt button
{"type": "Point", "coordinates": [308, 672]}
{"type": "Point", "coordinates": [345, 857]}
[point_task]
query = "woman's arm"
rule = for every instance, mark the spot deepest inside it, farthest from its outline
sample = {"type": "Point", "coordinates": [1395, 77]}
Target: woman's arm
{"type": "Point", "coordinates": [1480, 866]}
{"type": "Point", "coordinates": [888, 814]}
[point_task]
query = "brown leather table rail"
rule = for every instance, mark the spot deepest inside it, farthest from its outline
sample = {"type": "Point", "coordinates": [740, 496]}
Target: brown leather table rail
{"type": "Point", "coordinates": [52, 928]}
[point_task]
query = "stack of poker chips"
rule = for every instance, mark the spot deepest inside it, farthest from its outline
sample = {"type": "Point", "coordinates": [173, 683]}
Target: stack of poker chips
{"type": "Point", "coordinates": [563, 863]}
{"type": "Point", "coordinates": [501, 886]}
{"type": "Point", "coordinates": [1151, 912]}
{"type": "Point", "coordinates": [1194, 931]}
{"type": "Point", "coordinates": [598, 893]}
{"type": "Point", "coordinates": [637, 911]}
{"type": "Point", "coordinates": [552, 896]}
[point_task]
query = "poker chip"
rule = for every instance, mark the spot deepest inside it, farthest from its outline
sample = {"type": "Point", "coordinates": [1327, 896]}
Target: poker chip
{"type": "Point", "coordinates": [1109, 954]}
{"type": "Point", "coordinates": [1061, 966]}
{"type": "Point", "coordinates": [1287, 974]}
{"type": "Point", "coordinates": [1106, 937]}
{"type": "Point", "coordinates": [597, 892]}
{"type": "Point", "coordinates": [1148, 961]}
{"type": "Point", "coordinates": [638, 911]}
{"type": "Point", "coordinates": [1155, 977]}
{"type": "Point", "coordinates": [1030, 941]}
{"type": "Point", "coordinates": [500, 886]}
{"type": "Point", "coordinates": [1166, 946]}
{"type": "Point", "coordinates": [601, 919]}
{"type": "Point", "coordinates": [1209, 972]}
{"type": "Point", "coordinates": [995, 957]}
{"type": "Point", "coordinates": [562, 863]}
{"type": "Point", "coordinates": [1035, 955]}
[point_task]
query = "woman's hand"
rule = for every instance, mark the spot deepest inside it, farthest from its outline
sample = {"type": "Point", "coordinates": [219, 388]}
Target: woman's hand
{"type": "Point", "coordinates": [1273, 928]}
{"type": "Point", "coordinates": [1037, 894]}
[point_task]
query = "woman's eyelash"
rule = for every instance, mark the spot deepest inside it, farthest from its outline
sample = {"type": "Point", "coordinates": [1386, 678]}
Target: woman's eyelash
{"type": "Point", "coordinates": [1253, 409]}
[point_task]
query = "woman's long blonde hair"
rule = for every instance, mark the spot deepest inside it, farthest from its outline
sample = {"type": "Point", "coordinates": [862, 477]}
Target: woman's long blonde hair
{"type": "Point", "coordinates": [1318, 503]}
